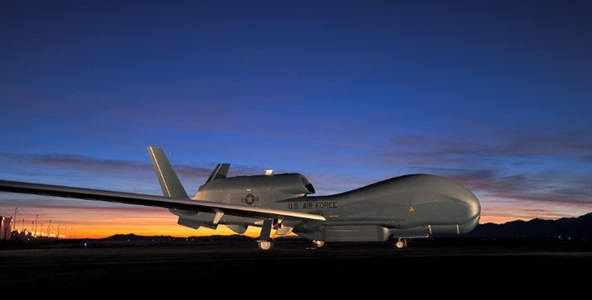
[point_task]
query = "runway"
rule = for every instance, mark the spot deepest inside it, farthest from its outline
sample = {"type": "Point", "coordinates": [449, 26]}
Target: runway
{"type": "Point", "coordinates": [296, 269]}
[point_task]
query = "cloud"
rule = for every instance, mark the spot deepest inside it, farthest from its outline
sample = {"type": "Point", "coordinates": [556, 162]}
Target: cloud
{"type": "Point", "coordinates": [538, 167]}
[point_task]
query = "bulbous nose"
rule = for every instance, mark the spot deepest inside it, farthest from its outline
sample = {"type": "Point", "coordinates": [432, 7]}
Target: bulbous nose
{"type": "Point", "coordinates": [473, 211]}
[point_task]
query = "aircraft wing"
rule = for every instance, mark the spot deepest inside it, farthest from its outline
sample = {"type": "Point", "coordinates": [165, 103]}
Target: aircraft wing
{"type": "Point", "coordinates": [152, 200]}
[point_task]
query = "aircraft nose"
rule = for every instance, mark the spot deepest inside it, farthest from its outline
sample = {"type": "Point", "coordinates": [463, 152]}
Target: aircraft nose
{"type": "Point", "coordinates": [473, 211]}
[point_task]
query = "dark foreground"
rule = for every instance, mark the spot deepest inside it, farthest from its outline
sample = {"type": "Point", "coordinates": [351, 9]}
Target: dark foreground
{"type": "Point", "coordinates": [237, 269]}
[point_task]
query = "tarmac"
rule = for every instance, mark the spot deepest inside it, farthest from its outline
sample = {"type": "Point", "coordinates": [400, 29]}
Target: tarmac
{"type": "Point", "coordinates": [296, 270]}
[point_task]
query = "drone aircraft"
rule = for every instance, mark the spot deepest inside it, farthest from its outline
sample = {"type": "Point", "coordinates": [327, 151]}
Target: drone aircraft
{"type": "Point", "coordinates": [397, 209]}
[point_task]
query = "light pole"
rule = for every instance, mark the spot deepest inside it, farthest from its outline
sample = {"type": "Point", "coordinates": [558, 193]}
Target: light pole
{"type": "Point", "coordinates": [35, 225]}
{"type": "Point", "coordinates": [14, 223]}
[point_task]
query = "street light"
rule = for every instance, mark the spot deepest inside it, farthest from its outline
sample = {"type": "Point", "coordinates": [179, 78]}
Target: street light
{"type": "Point", "coordinates": [14, 223]}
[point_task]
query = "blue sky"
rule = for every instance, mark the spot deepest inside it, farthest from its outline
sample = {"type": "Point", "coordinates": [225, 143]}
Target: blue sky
{"type": "Point", "coordinates": [496, 95]}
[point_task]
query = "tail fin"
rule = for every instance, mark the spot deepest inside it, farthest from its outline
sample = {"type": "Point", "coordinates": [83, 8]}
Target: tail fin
{"type": "Point", "coordinates": [169, 182]}
{"type": "Point", "coordinates": [219, 172]}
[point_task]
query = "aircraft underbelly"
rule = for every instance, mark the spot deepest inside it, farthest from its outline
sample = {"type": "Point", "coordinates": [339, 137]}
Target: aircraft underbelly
{"type": "Point", "coordinates": [355, 233]}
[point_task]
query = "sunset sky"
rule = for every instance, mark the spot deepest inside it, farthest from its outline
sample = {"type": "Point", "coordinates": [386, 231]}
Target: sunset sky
{"type": "Point", "coordinates": [495, 95]}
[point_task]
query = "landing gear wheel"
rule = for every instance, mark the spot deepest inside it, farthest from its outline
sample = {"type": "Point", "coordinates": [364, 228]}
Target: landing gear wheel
{"type": "Point", "coordinates": [401, 243]}
{"type": "Point", "coordinates": [318, 244]}
{"type": "Point", "coordinates": [264, 245]}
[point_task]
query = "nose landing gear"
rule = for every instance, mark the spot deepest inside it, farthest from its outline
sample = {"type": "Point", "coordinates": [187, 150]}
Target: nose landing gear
{"type": "Point", "coordinates": [401, 243]}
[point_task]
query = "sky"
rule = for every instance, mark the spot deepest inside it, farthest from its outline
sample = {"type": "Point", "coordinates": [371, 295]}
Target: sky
{"type": "Point", "coordinates": [495, 95]}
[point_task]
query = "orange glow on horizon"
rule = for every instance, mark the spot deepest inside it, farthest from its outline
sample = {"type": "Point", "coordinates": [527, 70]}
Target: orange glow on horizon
{"type": "Point", "coordinates": [98, 223]}
{"type": "Point", "coordinates": [91, 231]}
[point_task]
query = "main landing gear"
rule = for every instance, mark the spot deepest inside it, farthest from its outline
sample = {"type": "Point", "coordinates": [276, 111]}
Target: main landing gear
{"type": "Point", "coordinates": [264, 241]}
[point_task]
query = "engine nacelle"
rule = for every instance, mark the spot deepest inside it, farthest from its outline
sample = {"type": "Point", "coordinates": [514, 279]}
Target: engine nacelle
{"type": "Point", "coordinates": [255, 190]}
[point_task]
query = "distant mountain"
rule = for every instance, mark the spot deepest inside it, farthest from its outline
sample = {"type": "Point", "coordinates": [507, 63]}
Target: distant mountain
{"type": "Point", "coordinates": [131, 237]}
{"type": "Point", "coordinates": [136, 238]}
{"type": "Point", "coordinates": [537, 228]}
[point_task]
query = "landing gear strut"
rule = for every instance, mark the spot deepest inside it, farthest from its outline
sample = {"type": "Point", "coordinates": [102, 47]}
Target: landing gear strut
{"type": "Point", "coordinates": [264, 241]}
